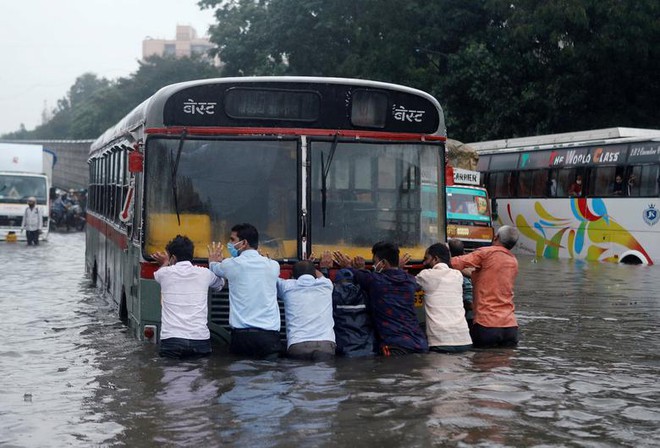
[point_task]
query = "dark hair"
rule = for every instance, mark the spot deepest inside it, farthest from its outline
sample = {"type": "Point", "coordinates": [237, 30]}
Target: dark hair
{"type": "Point", "coordinates": [441, 252]}
{"type": "Point", "coordinates": [456, 247]}
{"type": "Point", "coordinates": [387, 251]}
{"type": "Point", "coordinates": [248, 233]}
{"type": "Point", "coordinates": [181, 247]}
{"type": "Point", "coordinates": [302, 268]}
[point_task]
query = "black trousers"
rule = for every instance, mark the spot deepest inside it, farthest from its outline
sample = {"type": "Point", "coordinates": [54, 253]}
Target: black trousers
{"type": "Point", "coordinates": [180, 348]}
{"type": "Point", "coordinates": [255, 343]}
{"type": "Point", "coordinates": [486, 337]}
{"type": "Point", "coordinates": [32, 237]}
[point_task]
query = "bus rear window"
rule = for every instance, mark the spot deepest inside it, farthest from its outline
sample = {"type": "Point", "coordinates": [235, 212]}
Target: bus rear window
{"type": "Point", "coordinates": [466, 204]}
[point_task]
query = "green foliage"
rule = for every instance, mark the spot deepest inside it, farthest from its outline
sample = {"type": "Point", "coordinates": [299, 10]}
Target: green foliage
{"type": "Point", "coordinates": [500, 68]}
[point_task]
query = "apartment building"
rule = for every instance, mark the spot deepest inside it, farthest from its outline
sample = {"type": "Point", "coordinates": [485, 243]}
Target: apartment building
{"type": "Point", "coordinates": [186, 43]}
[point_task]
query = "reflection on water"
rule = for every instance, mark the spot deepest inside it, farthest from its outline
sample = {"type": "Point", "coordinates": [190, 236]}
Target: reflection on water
{"type": "Point", "coordinates": [585, 373]}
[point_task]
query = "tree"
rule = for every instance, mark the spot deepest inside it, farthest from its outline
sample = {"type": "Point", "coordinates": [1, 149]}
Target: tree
{"type": "Point", "coordinates": [500, 68]}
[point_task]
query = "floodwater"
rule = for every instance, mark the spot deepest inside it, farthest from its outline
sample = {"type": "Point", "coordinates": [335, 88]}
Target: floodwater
{"type": "Point", "coordinates": [585, 374]}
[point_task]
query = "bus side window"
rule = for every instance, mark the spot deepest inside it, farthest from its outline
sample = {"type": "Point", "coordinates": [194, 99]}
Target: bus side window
{"type": "Point", "coordinates": [551, 187]}
{"type": "Point", "coordinates": [501, 184]}
{"type": "Point", "coordinates": [645, 180]}
{"type": "Point", "coordinates": [601, 181]}
{"type": "Point", "coordinates": [538, 183]}
{"type": "Point", "coordinates": [564, 180]}
{"type": "Point", "coordinates": [525, 184]}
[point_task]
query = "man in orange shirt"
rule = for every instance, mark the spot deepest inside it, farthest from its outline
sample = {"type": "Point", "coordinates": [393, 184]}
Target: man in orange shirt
{"type": "Point", "coordinates": [495, 271]}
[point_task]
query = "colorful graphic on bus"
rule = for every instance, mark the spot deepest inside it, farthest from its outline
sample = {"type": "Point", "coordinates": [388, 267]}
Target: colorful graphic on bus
{"type": "Point", "coordinates": [590, 231]}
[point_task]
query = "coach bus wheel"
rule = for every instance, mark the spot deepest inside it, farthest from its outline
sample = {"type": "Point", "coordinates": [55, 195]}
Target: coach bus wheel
{"type": "Point", "coordinates": [630, 259]}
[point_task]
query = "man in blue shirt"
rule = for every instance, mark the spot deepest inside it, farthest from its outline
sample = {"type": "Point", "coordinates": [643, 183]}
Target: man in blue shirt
{"type": "Point", "coordinates": [308, 307]}
{"type": "Point", "coordinates": [254, 315]}
{"type": "Point", "coordinates": [391, 294]}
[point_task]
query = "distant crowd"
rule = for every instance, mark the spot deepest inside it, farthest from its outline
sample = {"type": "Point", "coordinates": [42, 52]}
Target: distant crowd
{"type": "Point", "coordinates": [468, 300]}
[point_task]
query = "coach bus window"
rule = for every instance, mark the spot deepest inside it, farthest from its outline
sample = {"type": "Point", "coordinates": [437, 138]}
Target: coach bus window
{"type": "Point", "coordinates": [382, 200]}
{"type": "Point", "coordinates": [500, 185]}
{"type": "Point", "coordinates": [566, 178]}
{"type": "Point", "coordinates": [221, 183]}
{"type": "Point", "coordinates": [482, 164]}
{"type": "Point", "coordinates": [646, 180]}
{"type": "Point", "coordinates": [601, 180]}
{"type": "Point", "coordinates": [531, 183]}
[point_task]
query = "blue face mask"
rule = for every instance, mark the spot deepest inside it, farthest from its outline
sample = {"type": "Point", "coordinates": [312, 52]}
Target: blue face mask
{"type": "Point", "coordinates": [232, 250]}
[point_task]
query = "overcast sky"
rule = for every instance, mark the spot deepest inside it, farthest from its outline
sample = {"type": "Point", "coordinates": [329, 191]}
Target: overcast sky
{"type": "Point", "coordinates": [46, 44]}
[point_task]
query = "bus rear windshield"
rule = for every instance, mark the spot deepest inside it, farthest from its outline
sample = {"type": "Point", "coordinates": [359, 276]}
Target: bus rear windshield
{"type": "Point", "coordinates": [467, 204]}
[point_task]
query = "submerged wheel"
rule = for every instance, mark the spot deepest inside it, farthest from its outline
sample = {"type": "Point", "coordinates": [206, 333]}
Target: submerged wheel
{"type": "Point", "coordinates": [631, 259]}
{"type": "Point", "coordinates": [123, 309]}
{"type": "Point", "coordinates": [95, 272]}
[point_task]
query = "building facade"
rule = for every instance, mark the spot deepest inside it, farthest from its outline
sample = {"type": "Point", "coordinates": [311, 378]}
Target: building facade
{"type": "Point", "coordinates": [186, 44]}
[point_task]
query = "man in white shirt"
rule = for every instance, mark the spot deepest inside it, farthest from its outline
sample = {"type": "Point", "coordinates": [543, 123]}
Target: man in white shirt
{"type": "Point", "coordinates": [184, 331]}
{"type": "Point", "coordinates": [446, 327]}
{"type": "Point", "coordinates": [308, 307]}
{"type": "Point", "coordinates": [32, 222]}
{"type": "Point", "coordinates": [254, 315]}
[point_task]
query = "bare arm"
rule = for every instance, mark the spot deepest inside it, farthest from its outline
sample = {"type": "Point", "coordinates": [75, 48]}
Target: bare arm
{"type": "Point", "coordinates": [162, 258]}
{"type": "Point", "coordinates": [464, 262]}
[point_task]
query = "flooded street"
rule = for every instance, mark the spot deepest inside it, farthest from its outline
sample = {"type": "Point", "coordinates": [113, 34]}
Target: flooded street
{"type": "Point", "coordinates": [585, 374]}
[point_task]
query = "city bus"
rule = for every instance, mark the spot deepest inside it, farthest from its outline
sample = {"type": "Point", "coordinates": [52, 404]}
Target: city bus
{"type": "Point", "coordinates": [610, 215]}
{"type": "Point", "coordinates": [25, 170]}
{"type": "Point", "coordinates": [315, 164]}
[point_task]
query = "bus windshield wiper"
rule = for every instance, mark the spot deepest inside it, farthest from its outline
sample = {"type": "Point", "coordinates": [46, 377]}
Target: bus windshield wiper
{"type": "Point", "coordinates": [174, 169]}
{"type": "Point", "coordinates": [325, 170]}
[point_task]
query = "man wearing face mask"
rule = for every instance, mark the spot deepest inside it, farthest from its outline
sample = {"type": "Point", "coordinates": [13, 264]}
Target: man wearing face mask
{"type": "Point", "coordinates": [254, 315]}
{"type": "Point", "coordinates": [32, 221]}
{"type": "Point", "coordinates": [391, 294]}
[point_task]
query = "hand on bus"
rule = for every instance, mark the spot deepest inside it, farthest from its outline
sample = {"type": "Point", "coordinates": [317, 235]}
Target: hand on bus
{"type": "Point", "coordinates": [404, 259]}
{"type": "Point", "coordinates": [358, 262]}
{"type": "Point", "coordinates": [215, 252]}
{"type": "Point", "coordinates": [162, 258]}
{"type": "Point", "coordinates": [342, 260]}
{"type": "Point", "coordinates": [326, 260]}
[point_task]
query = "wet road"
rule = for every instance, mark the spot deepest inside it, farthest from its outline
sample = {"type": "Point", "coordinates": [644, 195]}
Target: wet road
{"type": "Point", "coordinates": [585, 374]}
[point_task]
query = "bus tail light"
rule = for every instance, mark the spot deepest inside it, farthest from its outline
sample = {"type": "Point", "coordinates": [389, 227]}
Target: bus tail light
{"type": "Point", "coordinates": [147, 270]}
{"type": "Point", "coordinates": [149, 333]}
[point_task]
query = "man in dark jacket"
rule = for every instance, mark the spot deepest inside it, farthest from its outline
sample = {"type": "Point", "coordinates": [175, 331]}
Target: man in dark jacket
{"type": "Point", "coordinates": [354, 332]}
{"type": "Point", "coordinates": [391, 293]}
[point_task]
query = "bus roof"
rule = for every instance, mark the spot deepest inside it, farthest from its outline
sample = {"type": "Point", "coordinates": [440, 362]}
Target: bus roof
{"type": "Point", "coordinates": [151, 113]}
{"type": "Point", "coordinates": [568, 139]}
